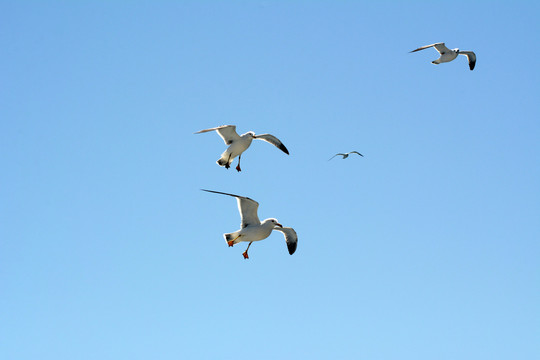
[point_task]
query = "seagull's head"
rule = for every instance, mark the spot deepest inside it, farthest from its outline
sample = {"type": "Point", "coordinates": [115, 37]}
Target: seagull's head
{"type": "Point", "coordinates": [274, 222]}
{"type": "Point", "coordinates": [456, 50]}
{"type": "Point", "coordinates": [250, 134]}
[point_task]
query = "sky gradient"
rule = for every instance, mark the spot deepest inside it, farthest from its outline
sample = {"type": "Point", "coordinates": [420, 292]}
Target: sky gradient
{"type": "Point", "coordinates": [425, 248]}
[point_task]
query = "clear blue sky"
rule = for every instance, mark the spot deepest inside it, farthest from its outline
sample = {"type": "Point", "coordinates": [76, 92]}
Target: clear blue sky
{"type": "Point", "coordinates": [426, 248]}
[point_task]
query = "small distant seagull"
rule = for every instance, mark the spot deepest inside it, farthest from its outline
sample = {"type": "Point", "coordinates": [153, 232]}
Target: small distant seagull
{"type": "Point", "coordinates": [448, 55]}
{"type": "Point", "coordinates": [251, 228]}
{"type": "Point", "coordinates": [346, 155]}
{"type": "Point", "coordinates": [238, 144]}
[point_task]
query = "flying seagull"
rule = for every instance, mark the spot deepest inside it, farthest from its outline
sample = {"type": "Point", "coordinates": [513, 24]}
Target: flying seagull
{"type": "Point", "coordinates": [251, 228]}
{"type": "Point", "coordinates": [346, 155]}
{"type": "Point", "coordinates": [238, 144]}
{"type": "Point", "coordinates": [448, 55]}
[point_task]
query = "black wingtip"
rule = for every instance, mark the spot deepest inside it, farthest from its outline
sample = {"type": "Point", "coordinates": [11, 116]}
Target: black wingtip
{"type": "Point", "coordinates": [216, 192]}
{"type": "Point", "coordinates": [471, 65]}
{"type": "Point", "coordinates": [284, 149]}
{"type": "Point", "coordinates": [292, 248]}
{"type": "Point", "coordinates": [224, 193]}
{"type": "Point", "coordinates": [211, 191]}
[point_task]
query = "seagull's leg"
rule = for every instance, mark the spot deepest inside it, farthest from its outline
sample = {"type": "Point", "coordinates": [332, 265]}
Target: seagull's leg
{"type": "Point", "coordinates": [228, 164]}
{"type": "Point", "coordinates": [238, 166]}
{"type": "Point", "coordinates": [245, 252]}
{"type": "Point", "coordinates": [231, 242]}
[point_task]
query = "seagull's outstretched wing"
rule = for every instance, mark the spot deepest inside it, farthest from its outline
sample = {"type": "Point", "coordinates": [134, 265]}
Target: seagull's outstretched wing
{"type": "Point", "coordinates": [227, 133]}
{"type": "Point", "coordinates": [272, 140]}
{"type": "Point", "coordinates": [471, 56]}
{"type": "Point", "coordinates": [356, 152]}
{"type": "Point", "coordinates": [440, 47]}
{"type": "Point", "coordinates": [248, 209]}
{"type": "Point", "coordinates": [290, 237]}
{"type": "Point", "coordinates": [336, 155]}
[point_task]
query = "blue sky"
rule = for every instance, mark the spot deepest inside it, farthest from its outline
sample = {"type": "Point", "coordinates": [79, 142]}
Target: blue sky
{"type": "Point", "coordinates": [426, 248]}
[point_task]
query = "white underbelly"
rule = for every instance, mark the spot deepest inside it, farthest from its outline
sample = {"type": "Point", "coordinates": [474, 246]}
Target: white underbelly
{"type": "Point", "coordinates": [254, 233]}
{"type": "Point", "coordinates": [448, 57]}
{"type": "Point", "coordinates": [237, 148]}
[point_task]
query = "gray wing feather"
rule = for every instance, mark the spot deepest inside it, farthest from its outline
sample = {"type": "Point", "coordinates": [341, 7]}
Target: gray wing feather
{"type": "Point", "coordinates": [290, 238]}
{"type": "Point", "coordinates": [274, 141]}
{"type": "Point", "coordinates": [226, 132]}
{"type": "Point", "coordinates": [247, 207]}
{"type": "Point", "coordinates": [471, 56]}
{"type": "Point", "coordinates": [248, 211]}
{"type": "Point", "coordinates": [335, 156]}
{"type": "Point", "coordinates": [356, 152]}
{"type": "Point", "coordinates": [440, 47]}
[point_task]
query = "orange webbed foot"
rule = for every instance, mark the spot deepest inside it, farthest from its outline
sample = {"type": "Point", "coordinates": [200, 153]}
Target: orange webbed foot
{"type": "Point", "coordinates": [245, 255]}
{"type": "Point", "coordinates": [230, 243]}
{"type": "Point", "coordinates": [238, 168]}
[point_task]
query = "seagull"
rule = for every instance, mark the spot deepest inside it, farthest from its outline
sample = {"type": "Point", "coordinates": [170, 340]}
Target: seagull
{"type": "Point", "coordinates": [346, 155]}
{"type": "Point", "coordinates": [238, 144]}
{"type": "Point", "coordinates": [251, 228]}
{"type": "Point", "coordinates": [448, 55]}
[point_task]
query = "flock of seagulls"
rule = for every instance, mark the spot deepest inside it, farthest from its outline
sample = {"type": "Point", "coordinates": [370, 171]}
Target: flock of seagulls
{"type": "Point", "coordinates": [251, 228]}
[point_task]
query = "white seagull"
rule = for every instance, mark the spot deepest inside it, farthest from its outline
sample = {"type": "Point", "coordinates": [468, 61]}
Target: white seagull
{"type": "Point", "coordinates": [251, 228]}
{"type": "Point", "coordinates": [238, 144]}
{"type": "Point", "coordinates": [346, 155]}
{"type": "Point", "coordinates": [448, 55]}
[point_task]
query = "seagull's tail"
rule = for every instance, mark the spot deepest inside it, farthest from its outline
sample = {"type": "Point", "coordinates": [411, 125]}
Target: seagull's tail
{"type": "Point", "coordinates": [228, 237]}
{"type": "Point", "coordinates": [225, 159]}
{"type": "Point", "coordinates": [222, 162]}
